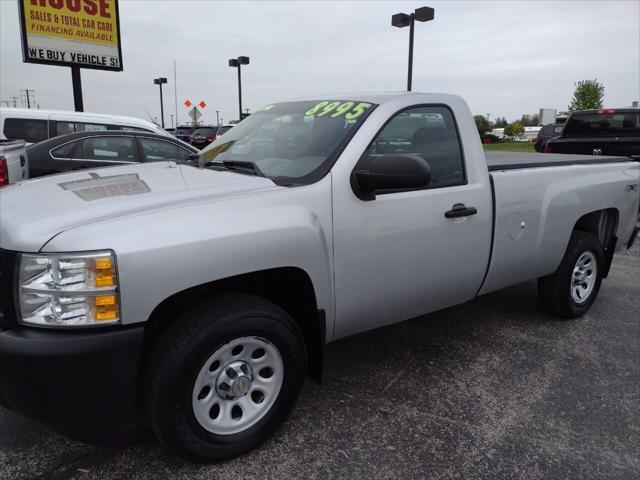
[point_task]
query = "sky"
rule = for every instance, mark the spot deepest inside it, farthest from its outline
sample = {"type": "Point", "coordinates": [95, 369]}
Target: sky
{"type": "Point", "coordinates": [506, 58]}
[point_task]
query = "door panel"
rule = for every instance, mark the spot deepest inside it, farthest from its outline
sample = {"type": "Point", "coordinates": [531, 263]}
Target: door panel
{"type": "Point", "coordinates": [399, 256]}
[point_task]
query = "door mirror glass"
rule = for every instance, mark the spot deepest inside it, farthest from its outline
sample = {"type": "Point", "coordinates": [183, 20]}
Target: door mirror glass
{"type": "Point", "coordinates": [391, 173]}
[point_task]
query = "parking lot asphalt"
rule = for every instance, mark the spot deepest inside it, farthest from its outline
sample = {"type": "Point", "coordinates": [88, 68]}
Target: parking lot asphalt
{"type": "Point", "coordinates": [494, 388]}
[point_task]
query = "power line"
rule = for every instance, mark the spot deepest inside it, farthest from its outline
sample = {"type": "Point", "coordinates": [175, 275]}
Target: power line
{"type": "Point", "coordinates": [26, 91]}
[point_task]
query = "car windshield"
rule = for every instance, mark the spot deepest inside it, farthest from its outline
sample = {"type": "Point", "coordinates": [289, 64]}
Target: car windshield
{"type": "Point", "coordinates": [289, 140]}
{"type": "Point", "coordinates": [609, 123]}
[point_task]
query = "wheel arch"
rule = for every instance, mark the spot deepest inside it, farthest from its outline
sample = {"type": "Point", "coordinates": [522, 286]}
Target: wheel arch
{"type": "Point", "coordinates": [603, 224]}
{"type": "Point", "coordinates": [290, 288]}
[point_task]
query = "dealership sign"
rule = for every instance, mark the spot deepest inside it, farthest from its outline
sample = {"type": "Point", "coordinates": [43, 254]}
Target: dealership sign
{"type": "Point", "coordinates": [80, 33]}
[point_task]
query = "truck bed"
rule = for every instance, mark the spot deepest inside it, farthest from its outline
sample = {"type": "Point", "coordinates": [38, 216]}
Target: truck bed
{"type": "Point", "coordinates": [514, 160]}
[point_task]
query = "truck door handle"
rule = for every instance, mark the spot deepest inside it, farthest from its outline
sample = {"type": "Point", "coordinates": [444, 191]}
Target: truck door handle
{"type": "Point", "coordinates": [460, 210]}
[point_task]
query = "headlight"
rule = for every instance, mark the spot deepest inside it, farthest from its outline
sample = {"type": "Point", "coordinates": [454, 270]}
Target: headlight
{"type": "Point", "coordinates": [68, 290]}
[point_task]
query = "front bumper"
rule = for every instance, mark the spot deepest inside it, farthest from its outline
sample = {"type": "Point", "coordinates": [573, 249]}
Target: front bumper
{"type": "Point", "coordinates": [71, 378]}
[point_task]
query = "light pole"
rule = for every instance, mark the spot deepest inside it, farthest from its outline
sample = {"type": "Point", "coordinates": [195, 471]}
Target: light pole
{"type": "Point", "coordinates": [237, 63]}
{"type": "Point", "coordinates": [160, 81]}
{"type": "Point", "coordinates": [400, 20]}
{"type": "Point", "coordinates": [217, 117]}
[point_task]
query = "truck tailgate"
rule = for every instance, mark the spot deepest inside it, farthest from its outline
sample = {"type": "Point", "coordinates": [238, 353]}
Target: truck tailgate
{"type": "Point", "coordinates": [15, 156]}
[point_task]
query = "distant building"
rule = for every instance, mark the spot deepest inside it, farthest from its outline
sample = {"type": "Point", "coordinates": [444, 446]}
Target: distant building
{"type": "Point", "coordinates": [530, 133]}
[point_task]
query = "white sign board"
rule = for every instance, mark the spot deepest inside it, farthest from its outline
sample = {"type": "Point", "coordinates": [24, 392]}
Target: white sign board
{"type": "Point", "coordinates": [82, 33]}
{"type": "Point", "coordinates": [547, 116]}
{"type": "Point", "coordinates": [194, 114]}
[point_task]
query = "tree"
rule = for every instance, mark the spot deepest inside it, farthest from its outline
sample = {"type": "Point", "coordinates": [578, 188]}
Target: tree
{"type": "Point", "coordinates": [588, 94]}
{"type": "Point", "coordinates": [529, 120]}
{"type": "Point", "coordinates": [514, 129]}
{"type": "Point", "coordinates": [482, 124]}
{"type": "Point", "coordinates": [500, 122]}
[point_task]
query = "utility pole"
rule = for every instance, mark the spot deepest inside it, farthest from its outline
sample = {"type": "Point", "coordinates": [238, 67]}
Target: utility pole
{"type": "Point", "coordinates": [488, 118]}
{"type": "Point", "coordinates": [26, 91]}
{"type": "Point", "coordinates": [171, 115]}
{"type": "Point", "coordinates": [15, 101]}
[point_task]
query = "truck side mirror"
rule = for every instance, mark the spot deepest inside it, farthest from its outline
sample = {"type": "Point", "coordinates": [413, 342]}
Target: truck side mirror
{"type": "Point", "coordinates": [391, 173]}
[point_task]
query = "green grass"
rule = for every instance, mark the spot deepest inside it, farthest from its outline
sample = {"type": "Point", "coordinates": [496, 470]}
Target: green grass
{"type": "Point", "coordinates": [509, 147]}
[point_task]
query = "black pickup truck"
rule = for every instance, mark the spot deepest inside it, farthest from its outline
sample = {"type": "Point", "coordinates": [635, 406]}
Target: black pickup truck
{"type": "Point", "coordinates": [600, 132]}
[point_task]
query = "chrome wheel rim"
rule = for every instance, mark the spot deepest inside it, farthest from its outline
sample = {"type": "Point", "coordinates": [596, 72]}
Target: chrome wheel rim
{"type": "Point", "coordinates": [584, 277]}
{"type": "Point", "coordinates": [237, 385]}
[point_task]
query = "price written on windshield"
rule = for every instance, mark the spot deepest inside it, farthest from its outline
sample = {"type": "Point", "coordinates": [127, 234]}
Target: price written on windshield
{"type": "Point", "coordinates": [350, 110]}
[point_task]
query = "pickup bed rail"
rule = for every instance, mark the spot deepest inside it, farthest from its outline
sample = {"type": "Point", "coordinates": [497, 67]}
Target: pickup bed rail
{"type": "Point", "coordinates": [508, 161]}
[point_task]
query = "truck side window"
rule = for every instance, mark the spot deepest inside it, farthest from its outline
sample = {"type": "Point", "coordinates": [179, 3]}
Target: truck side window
{"type": "Point", "coordinates": [26, 129]}
{"type": "Point", "coordinates": [429, 132]}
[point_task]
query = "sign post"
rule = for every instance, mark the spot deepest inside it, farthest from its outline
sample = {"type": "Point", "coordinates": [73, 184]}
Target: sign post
{"type": "Point", "coordinates": [194, 115]}
{"type": "Point", "coordinates": [76, 82]}
{"type": "Point", "coordinates": [72, 34]}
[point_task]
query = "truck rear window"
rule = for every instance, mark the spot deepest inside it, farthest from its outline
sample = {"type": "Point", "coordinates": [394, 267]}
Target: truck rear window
{"type": "Point", "coordinates": [607, 124]}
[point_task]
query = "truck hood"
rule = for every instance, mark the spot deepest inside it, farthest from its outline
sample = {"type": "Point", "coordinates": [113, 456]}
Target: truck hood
{"type": "Point", "coordinates": [34, 211]}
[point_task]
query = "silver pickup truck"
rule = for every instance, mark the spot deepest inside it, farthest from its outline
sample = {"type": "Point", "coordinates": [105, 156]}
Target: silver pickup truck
{"type": "Point", "coordinates": [13, 162]}
{"type": "Point", "coordinates": [200, 298]}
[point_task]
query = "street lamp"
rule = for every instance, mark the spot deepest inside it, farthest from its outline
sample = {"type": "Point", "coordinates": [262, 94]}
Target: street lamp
{"type": "Point", "coordinates": [160, 81]}
{"type": "Point", "coordinates": [401, 20]}
{"type": "Point", "coordinates": [237, 62]}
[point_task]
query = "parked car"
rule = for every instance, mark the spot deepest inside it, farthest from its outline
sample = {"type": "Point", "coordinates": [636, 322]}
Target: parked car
{"type": "Point", "coordinates": [34, 125]}
{"type": "Point", "coordinates": [223, 128]}
{"type": "Point", "coordinates": [203, 136]}
{"type": "Point", "coordinates": [77, 151]}
{"type": "Point", "coordinates": [183, 132]}
{"type": "Point", "coordinates": [204, 296]}
{"type": "Point", "coordinates": [547, 133]}
{"type": "Point", "coordinates": [609, 131]}
{"type": "Point", "coordinates": [13, 162]}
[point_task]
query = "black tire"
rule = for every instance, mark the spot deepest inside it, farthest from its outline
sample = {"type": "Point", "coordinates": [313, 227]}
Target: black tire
{"type": "Point", "coordinates": [180, 354]}
{"type": "Point", "coordinates": [555, 290]}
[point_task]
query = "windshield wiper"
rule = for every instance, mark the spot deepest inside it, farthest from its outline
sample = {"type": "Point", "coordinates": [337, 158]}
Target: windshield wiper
{"type": "Point", "coordinates": [244, 166]}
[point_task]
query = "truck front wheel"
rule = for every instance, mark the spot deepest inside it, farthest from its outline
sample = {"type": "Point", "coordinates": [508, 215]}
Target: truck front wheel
{"type": "Point", "coordinates": [572, 289]}
{"type": "Point", "coordinates": [224, 377]}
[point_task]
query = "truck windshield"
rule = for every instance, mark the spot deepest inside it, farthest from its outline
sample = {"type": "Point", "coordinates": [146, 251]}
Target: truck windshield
{"type": "Point", "coordinates": [289, 140]}
{"type": "Point", "coordinates": [609, 123]}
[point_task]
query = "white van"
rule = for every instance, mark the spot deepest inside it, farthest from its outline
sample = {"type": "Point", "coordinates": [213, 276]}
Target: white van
{"type": "Point", "coordinates": [33, 125]}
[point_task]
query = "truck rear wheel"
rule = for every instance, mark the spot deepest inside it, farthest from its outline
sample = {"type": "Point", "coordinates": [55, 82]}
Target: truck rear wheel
{"type": "Point", "coordinates": [572, 289]}
{"type": "Point", "coordinates": [224, 377]}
